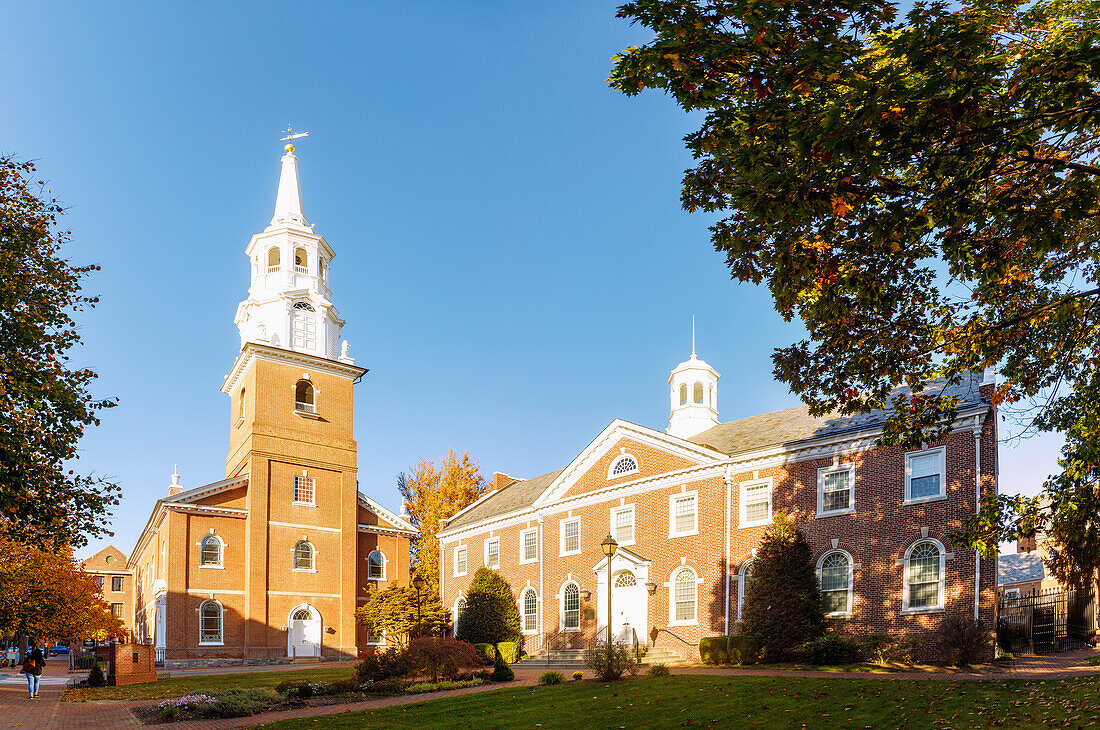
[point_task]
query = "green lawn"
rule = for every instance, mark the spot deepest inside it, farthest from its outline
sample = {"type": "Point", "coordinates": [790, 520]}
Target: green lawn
{"type": "Point", "coordinates": [204, 683]}
{"type": "Point", "coordinates": [767, 702]}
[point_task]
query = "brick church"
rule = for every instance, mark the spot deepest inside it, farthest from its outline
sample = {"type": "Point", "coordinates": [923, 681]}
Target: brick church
{"type": "Point", "coordinates": [689, 505]}
{"type": "Point", "coordinates": [269, 563]}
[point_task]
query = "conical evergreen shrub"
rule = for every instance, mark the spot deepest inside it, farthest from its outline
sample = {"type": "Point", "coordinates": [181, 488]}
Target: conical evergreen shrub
{"type": "Point", "coordinates": [491, 615]}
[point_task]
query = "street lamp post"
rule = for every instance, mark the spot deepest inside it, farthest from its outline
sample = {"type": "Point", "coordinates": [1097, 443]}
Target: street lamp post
{"type": "Point", "coordinates": [609, 547]}
{"type": "Point", "coordinates": [418, 584]}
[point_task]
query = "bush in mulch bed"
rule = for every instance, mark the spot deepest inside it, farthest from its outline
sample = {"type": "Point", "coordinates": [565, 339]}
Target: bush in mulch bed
{"type": "Point", "coordinates": [230, 703]}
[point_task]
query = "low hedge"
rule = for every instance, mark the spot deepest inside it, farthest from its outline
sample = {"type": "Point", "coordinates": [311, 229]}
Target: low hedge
{"type": "Point", "coordinates": [742, 649]}
{"type": "Point", "coordinates": [508, 651]}
{"type": "Point", "coordinates": [712, 650]}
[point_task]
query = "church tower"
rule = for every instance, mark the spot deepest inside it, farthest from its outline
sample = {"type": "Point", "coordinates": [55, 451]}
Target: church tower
{"type": "Point", "coordinates": [290, 429]}
{"type": "Point", "coordinates": [693, 396]}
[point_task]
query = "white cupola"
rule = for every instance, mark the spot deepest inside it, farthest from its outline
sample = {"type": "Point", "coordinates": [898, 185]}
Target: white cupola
{"type": "Point", "coordinates": [693, 395]}
{"type": "Point", "coordinates": [289, 302]}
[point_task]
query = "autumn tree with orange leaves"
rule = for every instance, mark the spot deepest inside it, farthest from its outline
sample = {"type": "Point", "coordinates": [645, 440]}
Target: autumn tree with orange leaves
{"type": "Point", "coordinates": [432, 494]}
{"type": "Point", "coordinates": [921, 189]}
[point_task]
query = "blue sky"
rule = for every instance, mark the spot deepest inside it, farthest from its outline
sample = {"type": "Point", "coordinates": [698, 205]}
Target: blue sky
{"type": "Point", "coordinates": [512, 260]}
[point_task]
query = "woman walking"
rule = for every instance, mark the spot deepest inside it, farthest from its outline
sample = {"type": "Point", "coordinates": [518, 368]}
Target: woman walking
{"type": "Point", "coordinates": [33, 665]}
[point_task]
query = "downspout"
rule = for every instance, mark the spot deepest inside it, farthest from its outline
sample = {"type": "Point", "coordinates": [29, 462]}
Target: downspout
{"type": "Point", "coordinates": [728, 478]}
{"type": "Point", "coordinates": [442, 576]}
{"type": "Point", "coordinates": [542, 594]}
{"type": "Point", "coordinates": [977, 510]}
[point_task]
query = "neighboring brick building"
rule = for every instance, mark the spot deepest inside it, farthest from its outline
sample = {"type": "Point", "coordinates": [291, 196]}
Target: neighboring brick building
{"type": "Point", "coordinates": [115, 582]}
{"type": "Point", "coordinates": [269, 564]}
{"type": "Point", "coordinates": [689, 506]}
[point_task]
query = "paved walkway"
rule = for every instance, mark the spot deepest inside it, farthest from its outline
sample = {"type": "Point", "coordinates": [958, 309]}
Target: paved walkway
{"type": "Point", "coordinates": [17, 711]}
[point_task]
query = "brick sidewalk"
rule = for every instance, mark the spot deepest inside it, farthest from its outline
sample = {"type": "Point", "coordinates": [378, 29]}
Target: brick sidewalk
{"type": "Point", "coordinates": [16, 711]}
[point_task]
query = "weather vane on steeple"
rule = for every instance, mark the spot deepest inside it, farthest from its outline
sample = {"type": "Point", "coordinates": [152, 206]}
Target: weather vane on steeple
{"type": "Point", "coordinates": [290, 137]}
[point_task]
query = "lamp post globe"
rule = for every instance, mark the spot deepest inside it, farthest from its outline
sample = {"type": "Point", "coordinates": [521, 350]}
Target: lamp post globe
{"type": "Point", "coordinates": [609, 546]}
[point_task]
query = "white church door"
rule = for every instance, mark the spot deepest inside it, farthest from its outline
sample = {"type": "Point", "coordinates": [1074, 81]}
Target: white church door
{"type": "Point", "coordinates": [628, 608]}
{"type": "Point", "coordinates": [305, 632]}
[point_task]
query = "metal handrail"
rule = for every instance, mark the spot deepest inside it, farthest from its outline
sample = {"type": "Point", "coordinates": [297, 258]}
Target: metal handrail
{"type": "Point", "coordinates": [546, 644]}
{"type": "Point", "coordinates": [679, 638]}
{"type": "Point", "coordinates": [637, 650]}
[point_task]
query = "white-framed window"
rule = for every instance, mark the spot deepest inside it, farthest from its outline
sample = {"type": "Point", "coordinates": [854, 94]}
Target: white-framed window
{"type": "Point", "coordinates": [460, 561]}
{"type": "Point", "coordinates": [210, 552]}
{"type": "Point", "coordinates": [623, 465]}
{"type": "Point", "coordinates": [305, 397]}
{"type": "Point", "coordinates": [116, 583]}
{"type": "Point", "coordinates": [755, 504]}
{"type": "Point", "coordinates": [836, 491]}
{"type": "Point", "coordinates": [529, 545]}
{"type": "Point", "coordinates": [492, 553]}
{"type": "Point", "coordinates": [305, 490]}
{"type": "Point", "coordinates": [1012, 593]}
{"type": "Point", "coordinates": [924, 577]}
{"type": "Point", "coordinates": [834, 576]}
{"type": "Point", "coordinates": [744, 577]}
{"type": "Point", "coordinates": [304, 557]}
{"type": "Point", "coordinates": [683, 514]}
{"type": "Point", "coordinates": [210, 623]}
{"type": "Point", "coordinates": [116, 610]}
{"type": "Point", "coordinates": [376, 638]}
{"type": "Point", "coordinates": [376, 565]}
{"type": "Point", "coordinates": [529, 610]}
{"type": "Point", "coordinates": [571, 607]}
{"type": "Point", "coordinates": [571, 536]}
{"type": "Point", "coordinates": [925, 475]}
{"type": "Point", "coordinates": [459, 609]}
{"type": "Point", "coordinates": [683, 594]}
{"type": "Point", "coordinates": [622, 524]}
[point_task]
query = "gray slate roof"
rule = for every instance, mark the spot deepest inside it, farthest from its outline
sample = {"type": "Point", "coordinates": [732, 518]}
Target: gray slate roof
{"type": "Point", "coordinates": [793, 426]}
{"type": "Point", "coordinates": [788, 427]}
{"type": "Point", "coordinates": [516, 496]}
{"type": "Point", "coordinates": [1019, 568]}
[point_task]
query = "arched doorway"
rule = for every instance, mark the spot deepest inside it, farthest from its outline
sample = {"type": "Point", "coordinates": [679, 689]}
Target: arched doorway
{"type": "Point", "coordinates": [304, 632]}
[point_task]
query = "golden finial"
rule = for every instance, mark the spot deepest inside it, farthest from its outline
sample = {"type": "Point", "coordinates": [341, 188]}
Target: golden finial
{"type": "Point", "coordinates": [290, 136]}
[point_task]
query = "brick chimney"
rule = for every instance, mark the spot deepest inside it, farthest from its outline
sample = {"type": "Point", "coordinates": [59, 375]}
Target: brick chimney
{"type": "Point", "coordinates": [500, 479]}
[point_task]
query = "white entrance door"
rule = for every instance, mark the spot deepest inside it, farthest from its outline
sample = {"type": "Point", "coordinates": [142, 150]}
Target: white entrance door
{"type": "Point", "coordinates": [628, 607]}
{"type": "Point", "coordinates": [305, 633]}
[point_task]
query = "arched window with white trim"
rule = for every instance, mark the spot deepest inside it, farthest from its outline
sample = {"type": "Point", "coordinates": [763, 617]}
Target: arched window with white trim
{"type": "Point", "coordinates": [529, 603]}
{"type": "Point", "coordinates": [834, 575]}
{"type": "Point", "coordinates": [304, 556]}
{"type": "Point", "coordinates": [683, 393]}
{"type": "Point", "coordinates": [376, 565]}
{"type": "Point", "coordinates": [698, 393]}
{"type": "Point", "coordinates": [210, 552]}
{"type": "Point", "coordinates": [924, 576]}
{"type": "Point", "coordinates": [625, 464]}
{"type": "Point", "coordinates": [571, 607]}
{"type": "Point", "coordinates": [303, 397]}
{"type": "Point", "coordinates": [744, 577]}
{"type": "Point", "coordinates": [273, 259]}
{"type": "Point", "coordinates": [684, 596]}
{"type": "Point", "coordinates": [459, 609]}
{"type": "Point", "coordinates": [210, 622]}
{"type": "Point", "coordinates": [301, 261]}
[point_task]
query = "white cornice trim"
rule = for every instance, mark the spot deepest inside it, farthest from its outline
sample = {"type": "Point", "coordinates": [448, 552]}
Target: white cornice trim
{"type": "Point", "coordinates": [201, 509]}
{"type": "Point", "coordinates": [211, 489]}
{"type": "Point", "coordinates": [370, 504]}
{"type": "Point", "coordinates": [253, 351]}
{"type": "Point", "coordinates": [376, 530]}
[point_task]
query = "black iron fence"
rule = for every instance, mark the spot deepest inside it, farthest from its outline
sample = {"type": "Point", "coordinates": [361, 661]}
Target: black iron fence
{"type": "Point", "coordinates": [1047, 621]}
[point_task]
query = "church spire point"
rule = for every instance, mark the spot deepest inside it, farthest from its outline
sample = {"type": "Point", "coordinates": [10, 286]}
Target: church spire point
{"type": "Point", "coordinates": [693, 337]}
{"type": "Point", "coordinates": [288, 201]}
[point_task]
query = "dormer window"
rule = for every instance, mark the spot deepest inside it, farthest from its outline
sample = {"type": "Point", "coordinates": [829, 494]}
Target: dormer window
{"type": "Point", "coordinates": [303, 397]}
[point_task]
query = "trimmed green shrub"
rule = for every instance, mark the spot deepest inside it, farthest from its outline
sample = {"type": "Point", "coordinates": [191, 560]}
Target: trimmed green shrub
{"type": "Point", "coordinates": [831, 648]}
{"type": "Point", "coordinates": [241, 702]}
{"type": "Point", "coordinates": [876, 648]}
{"type": "Point", "coordinates": [96, 677]}
{"type": "Point", "coordinates": [488, 652]}
{"type": "Point", "coordinates": [168, 714]}
{"type": "Point", "coordinates": [551, 677]}
{"type": "Point", "coordinates": [386, 687]}
{"type": "Point", "coordinates": [501, 671]}
{"type": "Point", "coordinates": [483, 674]}
{"type": "Point", "coordinates": [783, 608]}
{"type": "Point", "coordinates": [610, 666]}
{"type": "Point", "coordinates": [422, 687]}
{"type": "Point", "coordinates": [712, 650]}
{"type": "Point", "coordinates": [508, 649]}
{"type": "Point", "coordinates": [491, 615]}
{"type": "Point", "coordinates": [963, 641]}
{"type": "Point", "coordinates": [742, 649]}
{"type": "Point", "coordinates": [578, 676]}
{"type": "Point", "coordinates": [344, 687]}
{"type": "Point", "coordinates": [657, 670]}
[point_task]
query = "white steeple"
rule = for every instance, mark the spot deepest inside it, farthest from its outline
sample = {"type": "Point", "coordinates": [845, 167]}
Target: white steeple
{"type": "Point", "coordinates": [693, 395]}
{"type": "Point", "coordinates": [288, 202]}
{"type": "Point", "coordinates": [289, 302]}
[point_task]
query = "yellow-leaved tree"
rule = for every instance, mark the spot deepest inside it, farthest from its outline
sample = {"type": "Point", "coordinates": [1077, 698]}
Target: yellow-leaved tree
{"type": "Point", "coordinates": [432, 494]}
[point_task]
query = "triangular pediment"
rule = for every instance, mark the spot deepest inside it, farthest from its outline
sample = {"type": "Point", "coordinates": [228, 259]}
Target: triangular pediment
{"type": "Point", "coordinates": [226, 493]}
{"type": "Point", "coordinates": [371, 513]}
{"type": "Point", "coordinates": [624, 559]}
{"type": "Point", "coordinates": [655, 453]}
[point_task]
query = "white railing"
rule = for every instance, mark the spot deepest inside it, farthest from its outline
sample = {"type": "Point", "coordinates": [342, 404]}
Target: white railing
{"type": "Point", "coordinates": [303, 407]}
{"type": "Point", "coordinates": [301, 269]}
{"type": "Point", "coordinates": [273, 269]}
{"type": "Point", "coordinates": [158, 655]}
